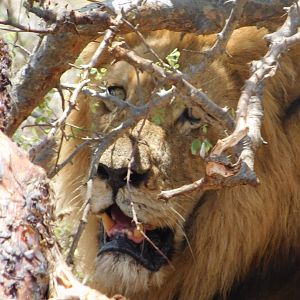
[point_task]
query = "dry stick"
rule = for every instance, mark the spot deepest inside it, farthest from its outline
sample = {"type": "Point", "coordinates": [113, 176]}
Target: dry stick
{"type": "Point", "coordinates": [59, 166]}
{"type": "Point", "coordinates": [22, 28]}
{"type": "Point", "coordinates": [171, 15]}
{"type": "Point", "coordinates": [62, 98]}
{"type": "Point", "coordinates": [58, 123]}
{"type": "Point", "coordinates": [107, 40]}
{"type": "Point", "coordinates": [139, 225]}
{"type": "Point", "coordinates": [249, 116]}
{"type": "Point", "coordinates": [139, 34]}
{"type": "Point", "coordinates": [262, 69]}
{"type": "Point", "coordinates": [83, 221]}
{"type": "Point", "coordinates": [106, 97]}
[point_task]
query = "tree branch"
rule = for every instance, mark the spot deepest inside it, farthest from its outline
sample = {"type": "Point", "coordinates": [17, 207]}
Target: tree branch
{"type": "Point", "coordinates": [201, 16]}
{"type": "Point", "coordinates": [74, 29]}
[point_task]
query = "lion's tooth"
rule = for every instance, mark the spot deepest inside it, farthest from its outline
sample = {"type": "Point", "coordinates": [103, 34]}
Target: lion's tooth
{"type": "Point", "coordinates": [108, 223]}
{"type": "Point", "coordinates": [138, 233]}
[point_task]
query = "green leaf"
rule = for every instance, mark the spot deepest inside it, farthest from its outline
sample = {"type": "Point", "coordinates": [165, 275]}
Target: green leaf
{"type": "Point", "coordinates": [195, 147]}
{"type": "Point", "coordinates": [232, 112]}
{"type": "Point", "coordinates": [156, 119]}
{"type": "Point", "coordinates": [93, 71]}
{"type": "Point", "coordinates": [208, 145]}
{"type": "Point", "coordinates": [159, 116]}
{"type": "Point", "coordinates": [173, 58]}
{"type": "Point", "coordinates": [94, 107]}
{"type": "Point", "coordinates": [205, 128]}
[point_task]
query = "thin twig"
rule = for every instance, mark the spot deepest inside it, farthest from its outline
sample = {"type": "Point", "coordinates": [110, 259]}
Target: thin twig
{"type": "Point", "coordinates": [58, 123]}
{"type": "Point", "coordinates": [22, 28]}
{"type": "Point", "coordinates": [139, 226]}
{"type": "Point", "coordinates": [107, 40]}
{"type": "Point", "coordinates": [83, 221]}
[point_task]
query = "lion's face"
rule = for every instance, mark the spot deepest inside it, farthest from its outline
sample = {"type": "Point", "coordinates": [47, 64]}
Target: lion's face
{"type": "Point", "coordinates": [156, 166]}
{"type": "Point", "coordinates": [160, 158]}
{"type": "Point", "coordinates": [198, 245]}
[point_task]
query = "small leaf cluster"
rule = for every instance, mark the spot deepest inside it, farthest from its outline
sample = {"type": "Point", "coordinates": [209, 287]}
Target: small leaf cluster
{"type": "Point", "coordinates": [201, 147]}
{"type": "Point", "coordinates": [173, 58]}
{"type": "Point", "coordinates": [98, 73]}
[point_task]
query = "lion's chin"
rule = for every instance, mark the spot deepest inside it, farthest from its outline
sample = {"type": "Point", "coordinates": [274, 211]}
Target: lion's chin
{"type": "Point", "coordinates": [120, 273]}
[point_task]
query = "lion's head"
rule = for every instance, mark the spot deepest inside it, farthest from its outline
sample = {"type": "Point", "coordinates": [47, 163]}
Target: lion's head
{"type": "Point", "coordinates": [198, 245]}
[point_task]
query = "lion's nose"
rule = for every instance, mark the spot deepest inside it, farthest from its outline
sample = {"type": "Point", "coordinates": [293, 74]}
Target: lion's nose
{"type": "Point", "coordinates": [117, 178]}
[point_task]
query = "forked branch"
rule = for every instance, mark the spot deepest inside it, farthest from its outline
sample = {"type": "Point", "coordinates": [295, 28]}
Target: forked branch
{"type": "Point", "coordinates": [220, 172]}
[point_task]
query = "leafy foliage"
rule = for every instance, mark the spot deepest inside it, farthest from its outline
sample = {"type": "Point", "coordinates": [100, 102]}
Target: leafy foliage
{"type": "Point", "coordinates": [37, 125]}
{"type": "Point", "coordinates": [173, 58]}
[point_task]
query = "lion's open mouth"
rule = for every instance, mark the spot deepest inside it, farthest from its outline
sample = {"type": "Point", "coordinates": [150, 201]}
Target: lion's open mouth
{"type": "Point", "coordinates": [120, 235]}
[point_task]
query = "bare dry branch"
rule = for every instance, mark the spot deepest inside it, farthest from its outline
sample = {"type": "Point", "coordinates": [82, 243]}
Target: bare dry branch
{"type": "Point", "coordinates": [201, 16]}
{"type": "Point", "coordinates": [51, 173]}
{"type": "Point", "coordinates": [22, 28]}
{"type": "Point", "coordinates": [83, 221]}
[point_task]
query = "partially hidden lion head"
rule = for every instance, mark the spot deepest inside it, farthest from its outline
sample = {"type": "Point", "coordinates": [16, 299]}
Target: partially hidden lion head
{"type": "Point", "coordinates": [197, 245]}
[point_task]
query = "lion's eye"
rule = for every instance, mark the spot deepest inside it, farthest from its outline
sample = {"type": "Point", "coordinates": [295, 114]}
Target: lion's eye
{"type": "Point", "coordinates": [190, 115]}
{"type": "Point", "coordinates": [188, 120]}
{"type": "Point", "coordinates": [117, 91]}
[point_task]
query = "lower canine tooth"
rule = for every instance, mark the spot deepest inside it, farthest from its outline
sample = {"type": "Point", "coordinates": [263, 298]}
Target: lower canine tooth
{"type": "Point", "coordinates": [108, 223]}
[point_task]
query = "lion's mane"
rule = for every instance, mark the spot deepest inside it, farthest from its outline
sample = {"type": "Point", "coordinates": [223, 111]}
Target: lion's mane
{"type": "Point", "coordinates": [244, 240]}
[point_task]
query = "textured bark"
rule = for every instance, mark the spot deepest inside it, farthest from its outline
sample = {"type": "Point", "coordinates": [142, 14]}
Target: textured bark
{"type": "Point", "coordinates": [71, 31]}
{"type": "Point", "coordinates": [24, 209]}
{"type": "Point", "coordinates": [43, 73]}
{"type": "Point", "coordinates": [5, 63]}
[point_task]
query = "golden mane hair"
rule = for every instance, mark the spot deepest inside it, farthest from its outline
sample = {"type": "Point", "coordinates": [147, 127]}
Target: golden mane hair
{"type": "Point", "coordinates": [243, 242]}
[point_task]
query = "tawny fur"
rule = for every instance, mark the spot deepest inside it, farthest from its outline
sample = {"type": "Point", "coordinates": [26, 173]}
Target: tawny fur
{"type": "Point", "coordinates": [235, 229]}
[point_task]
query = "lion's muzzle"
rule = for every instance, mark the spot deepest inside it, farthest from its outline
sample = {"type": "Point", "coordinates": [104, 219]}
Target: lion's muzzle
{"type": "Point", "coordinates": [152, 248]}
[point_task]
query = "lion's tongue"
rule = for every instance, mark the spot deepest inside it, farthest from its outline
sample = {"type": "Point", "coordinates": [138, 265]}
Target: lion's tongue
{"type": "Point", "coordinates": [121, 224]}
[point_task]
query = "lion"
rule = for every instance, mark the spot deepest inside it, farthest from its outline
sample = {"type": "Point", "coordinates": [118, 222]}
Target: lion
{"type": "Point", "coordinates": [232, 243]}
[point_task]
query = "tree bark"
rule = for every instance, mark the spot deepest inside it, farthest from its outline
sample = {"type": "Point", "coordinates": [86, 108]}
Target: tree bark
{"type": "Point", "coordinates": [23, 212]}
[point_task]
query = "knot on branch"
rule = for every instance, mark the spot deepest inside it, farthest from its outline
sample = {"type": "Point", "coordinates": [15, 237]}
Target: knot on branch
{"type": "Point", "coordinates": [222, 173]}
